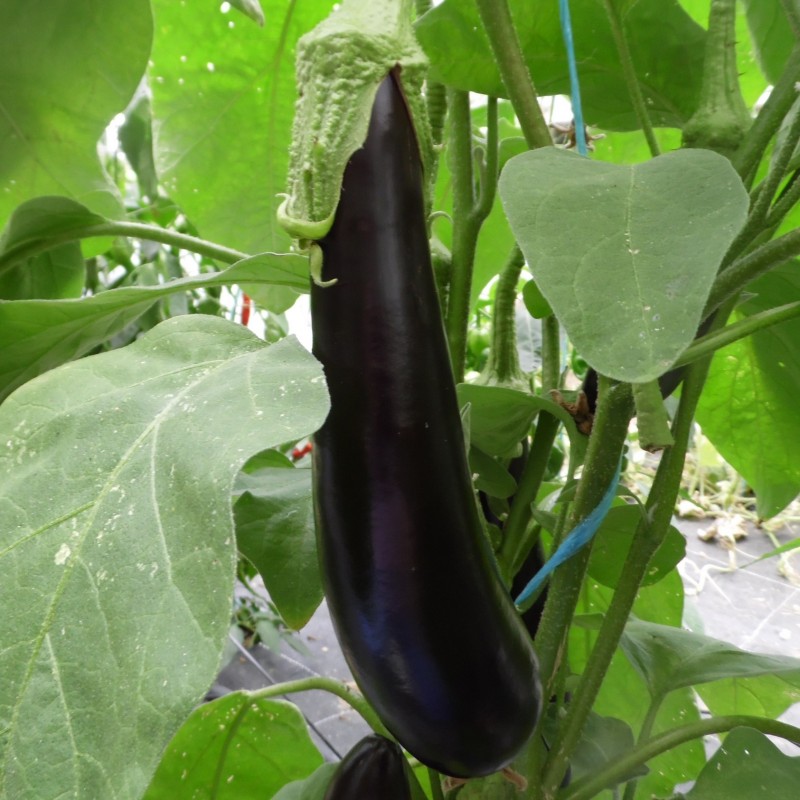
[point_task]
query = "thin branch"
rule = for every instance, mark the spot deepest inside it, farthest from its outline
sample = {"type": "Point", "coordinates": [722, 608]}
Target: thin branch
{"type": "Point", "coordinates": [499, 26]}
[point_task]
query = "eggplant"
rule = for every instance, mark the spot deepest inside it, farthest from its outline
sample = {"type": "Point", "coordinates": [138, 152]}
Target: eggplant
{"type": "Point", "coordinates": [426, 625]}
{"type": "Point", "coordinates": [374, 769]}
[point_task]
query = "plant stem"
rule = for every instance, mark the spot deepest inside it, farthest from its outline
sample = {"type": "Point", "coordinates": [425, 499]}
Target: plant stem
{"type": "Point", "coordinates": [587, 788]}
{"type": "Point", "coordinates": [747, 268]}
{"type": "Point", "coordinates": [489, 165]}
{"type": "Point", "coordinates": [649, 535]}
{"type": "Point", "coordinates": [515, 544]}
{"type": "Point", "coordinates": [355, 701]}
{"type": "Point", "coordinates": [499, 27]}
{"type": "Point", "coordinates": [757, 139]}
{"type": "Point", "coordinates": [138, 230]}
{"type": "Point", "coordinates": [644, 735]}
{"type": "Point", "coordinates": [711, 342]}
{"type": "Point", "coordinates": [465, 229]}
{"type": "Point", "coordinates": [785, 202]}
{"type": "Point", "coordinates": [792, 10]}
{"type": "Point", "coordinates": [766, 191]}
{"type": "Point", "coordinates": [436, 785]}
{"type": "Point", "coordinates": [602, 458]}
{"type": "Point", "coordinates": [629, 73]}
{"type": "Point", "coordinates": [551, 353]}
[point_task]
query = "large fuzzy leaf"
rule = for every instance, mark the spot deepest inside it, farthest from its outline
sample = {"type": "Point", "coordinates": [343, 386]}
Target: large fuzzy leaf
{"type": "Point", "coordinates": [117, 544]}
{"type": "Point", "coordinates": [664, 40]}
{"type": "Point", "coordinates": [68, 67]}
{"type": "Point", "coordinates": [223, 102]}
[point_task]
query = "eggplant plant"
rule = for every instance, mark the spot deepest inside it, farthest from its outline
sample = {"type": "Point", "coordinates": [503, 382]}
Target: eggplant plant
{"type": "Point", "coordinates": [513, 623]}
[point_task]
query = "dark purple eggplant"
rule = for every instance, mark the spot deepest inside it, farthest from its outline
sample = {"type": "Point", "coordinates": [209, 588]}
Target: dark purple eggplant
{"type": "Point", "coordinates": [427, 628]}
{"type": "Point", "coordinates": [375, 769]}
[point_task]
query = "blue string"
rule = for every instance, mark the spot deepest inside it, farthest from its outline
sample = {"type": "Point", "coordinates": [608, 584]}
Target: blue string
{"type": "Point", "coordinates": [575, 89]}
{"type": "Point", "coordinates": [576, 539]}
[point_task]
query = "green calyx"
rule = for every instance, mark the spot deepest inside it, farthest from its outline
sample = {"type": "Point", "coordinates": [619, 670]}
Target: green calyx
{"type": "Point", "coordinates": [340, 65]}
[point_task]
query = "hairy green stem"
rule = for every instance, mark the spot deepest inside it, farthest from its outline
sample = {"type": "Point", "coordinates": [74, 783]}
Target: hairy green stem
{"type": "Point", "coordinates": [644, 735]}
{"type": "Point", "coordinates": [786, 201]}
{"type": "Point", "coordinates": [502, 367]}
{"type": "Point", "coordinates": [756, 219]}
{"type": "Point", "coordinates": [515, 544]}
{"type": "Point", "coordinates": [465, 229]}
{"type": "Point", "coordinates": [707, 345]}
{"type": "Point", "coordinates": [488, 165]}
{"type": "Point", "coordinates": [757, 139]}
{"type": "Point", "coordinates": [551, 353]}
{"type": "Point", "coordinates": [499, 27]}
{"type": "Point", "coordinates": [614, 412]}
{"type": "Point", "coordinates": [137, 230]}
{"type": "Point", "coordinates": [629, 73]}
{"type": "Point", "coordinates": [355, 701]}
{"type": "Point", "coordinates": [591, 786]}
{"type": "Point", "coordinates": [792, 10]}
{"type": "Point", "coordinates": [649, 535]}
{"type": "Point", "coordinates": [749, 267]}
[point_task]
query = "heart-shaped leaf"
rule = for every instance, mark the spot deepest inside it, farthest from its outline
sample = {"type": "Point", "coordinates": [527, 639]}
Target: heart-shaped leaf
{"type": "Point", "coordinates": [117, 544]}
{"type": "Point", "coordinates": [625, 255]}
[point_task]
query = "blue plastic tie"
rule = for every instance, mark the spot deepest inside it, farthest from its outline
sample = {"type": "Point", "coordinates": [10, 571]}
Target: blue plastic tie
{"type": "Point", "coordinates": [575, 89]}
{"type": "Point", "coordinates": [576, 539]}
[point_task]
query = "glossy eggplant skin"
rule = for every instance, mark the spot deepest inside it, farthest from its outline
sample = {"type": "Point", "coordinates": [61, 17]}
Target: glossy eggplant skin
{"type": "Point", "coordinates": [427, 628]}
{"type": "Point", "coordinates": [374, 769]}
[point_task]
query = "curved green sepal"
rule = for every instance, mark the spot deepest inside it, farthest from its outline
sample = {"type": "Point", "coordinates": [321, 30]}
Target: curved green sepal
{"type": "Point", "coordinates": [303, 229]}
{"type": "Point", "coordinates": [315, 263]}
{"type": "Point", "coordinates": [340, 65]}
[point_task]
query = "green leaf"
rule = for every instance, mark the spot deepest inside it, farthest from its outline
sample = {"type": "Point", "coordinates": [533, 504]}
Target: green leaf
{"type": "Point", "coordinates": [236, 748]}
{"type": "Point", "coordinates": [275, 530]}
{"type": "Point", "coordinates": [490, 476]}
{"type": "Point", "coordinates": [136, 141]}
{"type": "Point", "coordinates": [623, 693]}
{"type": "Point", "coordinates": [612, 543]}
{"type": "Point", "coordinates": [604, 739]}
{"type": "Point", "coordinates": [499, 417]}
{"type": "Point", "coordinates": [748, 404]}
{"type": "Point", "coordinates": [37, 335]}
{"type": "Point", "coordinates": [223, 114]}
{"type": "Point", "coordinates": [44, 218]}
{"type": "Point", "coordinates": [251, 9]}
{"type": "Point", "coordinates": [747, 765]}
{"type": "Point", "coordinates": [56, 274]}
{"type": "Point", "coordinates": [670, 658]}
{"type": "Point", "coordinates": [116, 544]}
{"type": "Point", "coordinates": [652, 421]}
{"type": "Point", "coordinates": [534, 300]}
{"type": "Point", "coordinates": [629, 275]}
{"type": "Point", "coordinates": [63, 81]}
{"type": "Point", "coordinates": [664, 40]}
{"type": "Point", "coordinates": [312, 788]}
{"type": "Point", "coordinates": [771, 34]}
